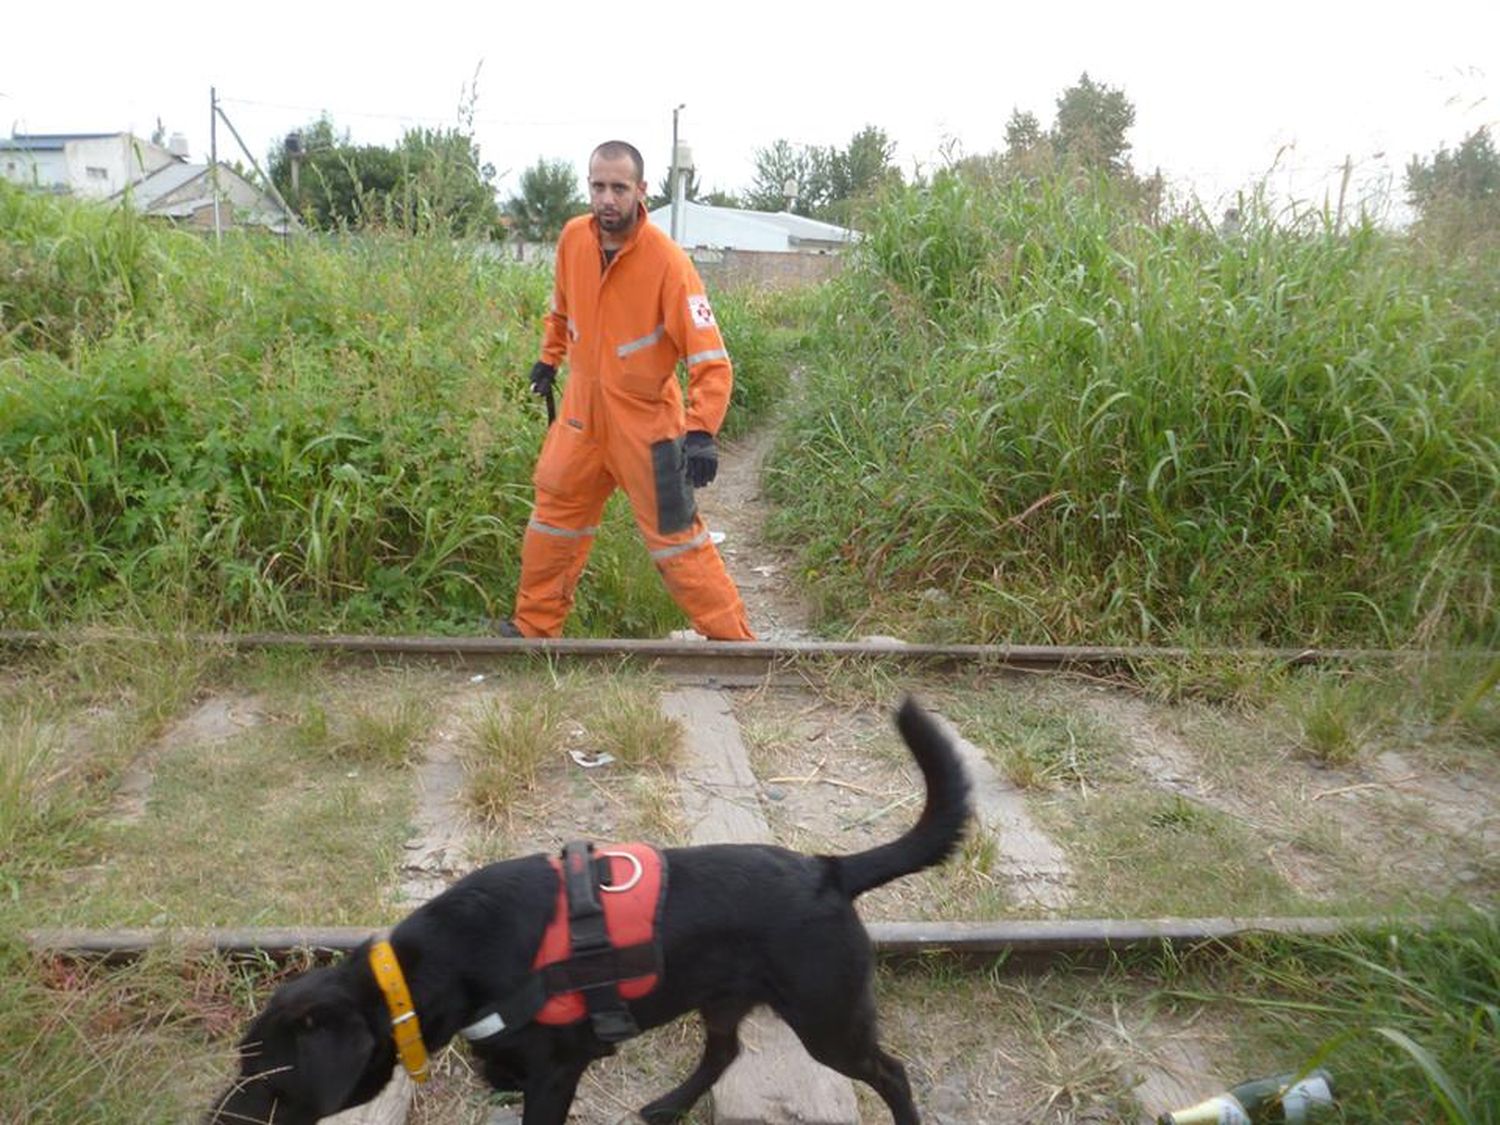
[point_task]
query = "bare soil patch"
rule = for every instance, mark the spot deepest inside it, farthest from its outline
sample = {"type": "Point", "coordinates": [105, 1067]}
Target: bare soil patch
{"type": "Point", "coordinates": [216, 719]}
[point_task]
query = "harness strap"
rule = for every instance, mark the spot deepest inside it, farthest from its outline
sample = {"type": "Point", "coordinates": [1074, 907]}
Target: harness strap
{"type": "Point", "coordinates": [515, 1010]}
{"type": "Point", "coordinates": [592, 958]}
{"type": "Point", "coordinates": [606, 966]}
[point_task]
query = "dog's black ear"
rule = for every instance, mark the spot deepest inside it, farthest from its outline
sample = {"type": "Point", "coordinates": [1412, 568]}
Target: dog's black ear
{"type": "Point", "coordinates": [334, 1048]}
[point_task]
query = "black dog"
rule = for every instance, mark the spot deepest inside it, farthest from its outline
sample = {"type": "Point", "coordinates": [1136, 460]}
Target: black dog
{"type": "Point", "coordinates": [741, 925]}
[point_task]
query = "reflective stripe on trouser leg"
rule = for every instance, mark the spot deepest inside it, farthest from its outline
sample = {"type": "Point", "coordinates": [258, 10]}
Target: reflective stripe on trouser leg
{"type": "Point", "coordinates": [695, 577]}
{"type": "Point", "coordinates": [572, 486]}
{"type": "Point", "coordinates": [654, 479]}
{"type": "Point", "coordinates": [551, 561]}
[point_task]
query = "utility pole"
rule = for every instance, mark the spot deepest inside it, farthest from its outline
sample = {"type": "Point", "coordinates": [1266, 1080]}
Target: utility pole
{"type": "Point", "coordinates": [250, 156]}
{"type": "Point", "coordinates": [213, 164]}
{"type": "Point", "coordinates": [213, 159]}
{"type": "Point", "coordinates": [675, 179]}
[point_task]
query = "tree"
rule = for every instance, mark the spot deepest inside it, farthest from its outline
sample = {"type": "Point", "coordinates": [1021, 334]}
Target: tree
{"type": "Point", "coordinates": [826, 181]}
{"type": "Point", "coordinates": [547, 199]}
{"type": "Point", "coordinates": [1090, 126]}
{"type": "Point", "coordinates": [445, 184]}
{"type": "Point", "coordinates": [864, 166]}
{"type": "Point", "coordinates": [663, 194]}
{"type": "Point", "coordinates": [432, 180]}
{"type": "Point", "coordinates": [1023, 133]}
{"type": "Point", "coordinates": [1456, 194]}
{"type": "Point", "coordinates": [692, 191]}
{"type": "Point", "coordinates": [1468, 175]}
{"type": "Point", "coordinates": [719, 198]}
{"type": "Point", "coordinates": [776, 168]}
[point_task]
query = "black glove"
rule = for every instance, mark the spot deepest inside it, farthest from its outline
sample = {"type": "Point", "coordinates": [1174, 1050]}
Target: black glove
{"type": "Point", "coordinates": [542, 375]}
{"type": "Point", "coordinates": [702, 454]}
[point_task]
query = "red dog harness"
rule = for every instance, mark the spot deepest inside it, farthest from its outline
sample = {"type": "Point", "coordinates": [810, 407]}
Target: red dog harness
{"type": "Point", "coordinates": [600, 949]}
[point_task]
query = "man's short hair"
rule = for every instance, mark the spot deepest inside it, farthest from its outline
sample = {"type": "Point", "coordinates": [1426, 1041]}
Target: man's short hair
{"type": "Point", "coordinates": [613, 150]}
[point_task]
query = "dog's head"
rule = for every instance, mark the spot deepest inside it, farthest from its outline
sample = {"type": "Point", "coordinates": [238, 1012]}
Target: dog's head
{"type": "Point", "coordinates": [317, 1048]}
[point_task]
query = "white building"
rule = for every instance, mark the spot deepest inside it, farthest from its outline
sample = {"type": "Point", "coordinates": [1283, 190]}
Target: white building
{"type": "Point", "coordinates": [157, 181]}
{"type": "Point", "coordinates": [88, 165]}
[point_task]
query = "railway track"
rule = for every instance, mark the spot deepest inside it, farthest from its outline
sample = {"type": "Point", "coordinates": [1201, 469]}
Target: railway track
{"type": "Point", "coordinates": [1026, 940]}
{"type": "Point", "coordinates": [755, 658]}
{"type": "Point", "coordinates": [722, 668]}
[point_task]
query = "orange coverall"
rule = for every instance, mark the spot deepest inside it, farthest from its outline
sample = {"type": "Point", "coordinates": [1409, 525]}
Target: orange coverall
{"type": "Point", "coordinates": [623, 327]}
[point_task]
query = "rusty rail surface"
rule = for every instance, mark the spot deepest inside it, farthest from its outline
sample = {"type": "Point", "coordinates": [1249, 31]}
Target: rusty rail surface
{"type": "Point", "coordinates": [722, 657]}
{"type": "Point", "coordinates": [1023, 938]}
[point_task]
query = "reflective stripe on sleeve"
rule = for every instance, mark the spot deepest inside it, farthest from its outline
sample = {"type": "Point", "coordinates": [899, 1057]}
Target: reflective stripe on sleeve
{"type": "Point", "coordinates": [703, 357]}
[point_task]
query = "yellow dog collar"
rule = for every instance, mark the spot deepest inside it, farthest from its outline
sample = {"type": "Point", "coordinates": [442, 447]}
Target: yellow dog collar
{"type": "Point", "coordinates": [404, 1025]}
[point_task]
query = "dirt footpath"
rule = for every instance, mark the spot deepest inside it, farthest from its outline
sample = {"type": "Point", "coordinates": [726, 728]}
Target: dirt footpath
{"type": "Point", "coordinates": [733, 506]}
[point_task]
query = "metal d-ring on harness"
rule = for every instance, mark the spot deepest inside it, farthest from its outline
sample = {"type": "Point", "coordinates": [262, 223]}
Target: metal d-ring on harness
{"type": "Point", "coordinates": [635, 875]}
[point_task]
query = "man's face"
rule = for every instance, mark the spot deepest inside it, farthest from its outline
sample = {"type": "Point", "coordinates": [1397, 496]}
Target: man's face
{"type": "Point", "coordinates": [614, 193]}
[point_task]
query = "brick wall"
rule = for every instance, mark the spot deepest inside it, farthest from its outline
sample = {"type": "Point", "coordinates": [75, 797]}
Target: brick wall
{"type": "Point", "coordinates": [725, 269]}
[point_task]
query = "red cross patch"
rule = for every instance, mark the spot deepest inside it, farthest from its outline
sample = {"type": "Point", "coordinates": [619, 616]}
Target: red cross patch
{"type": "Point", "coordinates": [700, 310]}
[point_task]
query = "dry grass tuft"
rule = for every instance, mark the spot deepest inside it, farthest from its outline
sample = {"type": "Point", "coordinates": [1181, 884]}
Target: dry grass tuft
{"type": "Point", "coordinates": [506, 746]}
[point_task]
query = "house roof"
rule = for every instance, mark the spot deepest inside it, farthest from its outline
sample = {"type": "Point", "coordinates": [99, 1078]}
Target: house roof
{"type": "Point", "coordinates": [48, 142]}
{"type": "Point", "coordinates": [802, 229]}
{"type": "Point", "coordinates": [149, 195]}
{"type": "Point", "coordinates": [163, 181]}
{"type": "Point", "coordinates": [731, 228]}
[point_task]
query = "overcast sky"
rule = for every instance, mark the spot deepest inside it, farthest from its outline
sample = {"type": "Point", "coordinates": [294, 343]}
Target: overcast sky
{"type": "Point", "coordinates": [1219, 89]}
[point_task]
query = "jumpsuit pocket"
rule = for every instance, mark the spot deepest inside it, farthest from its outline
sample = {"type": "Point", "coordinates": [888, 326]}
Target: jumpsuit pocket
{"type": "Point", "coordinates": [675, 505]}
{"type": "Point", "coordinates": [642, 383]}
{"type": "Point", "coordinates": [559, 458]}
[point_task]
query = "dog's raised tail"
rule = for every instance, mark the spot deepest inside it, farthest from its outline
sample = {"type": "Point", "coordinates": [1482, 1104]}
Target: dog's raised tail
{"type": "Point", "coordinates": [938, 830]}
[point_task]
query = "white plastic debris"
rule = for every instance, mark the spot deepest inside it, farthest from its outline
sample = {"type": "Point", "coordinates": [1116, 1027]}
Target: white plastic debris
{"type": "Point", "coordinates": [589, 760]}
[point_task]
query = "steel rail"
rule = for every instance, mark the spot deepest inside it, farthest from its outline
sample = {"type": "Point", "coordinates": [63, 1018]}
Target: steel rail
{"type": "Point", "coordinates": [1028, 938]}
{"type": "Point", "coordinates": [726, 657]}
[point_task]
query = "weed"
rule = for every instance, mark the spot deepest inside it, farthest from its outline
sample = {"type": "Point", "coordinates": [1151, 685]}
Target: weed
{"type": "Point", "coordinates": [628, 723]}
{"type": "Point", "coordinates": [1404, 1019]}
{"type": "Point", "coordinates": [1163, 855]}
{"type": "Point", "coordinates": [657, 814]}
{"type": "Point", "coordinates": [381, 732]}
{"type": "Point", "coordinates": [1330, 729]}
{"type": "Point", "coordinates": [507, 745]}
{"type": "Point", "coordinates": [1038, 740]}
{"type": "Point", "coordinates": [31, 771]}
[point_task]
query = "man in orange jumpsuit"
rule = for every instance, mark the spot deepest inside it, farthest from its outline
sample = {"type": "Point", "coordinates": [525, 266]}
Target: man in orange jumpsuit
{"type": "Point", "coordinates": [627, 306]}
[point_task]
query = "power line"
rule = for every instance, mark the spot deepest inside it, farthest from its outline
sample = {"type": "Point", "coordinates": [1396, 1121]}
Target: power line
{"type": "Point", "coordinates": [424, 119]}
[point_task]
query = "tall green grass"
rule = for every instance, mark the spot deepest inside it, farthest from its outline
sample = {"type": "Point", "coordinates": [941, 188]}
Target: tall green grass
{"type": "Point", "coordinates": [71, 274]}
{"type": "Point", "coordinates": [330, 433]}
{"type": "Point", "coordinates": [1406, 1021]}
{"type": "Point", "coordinates": [1036, 416]}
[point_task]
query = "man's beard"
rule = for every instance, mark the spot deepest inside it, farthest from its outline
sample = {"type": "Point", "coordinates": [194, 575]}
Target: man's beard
{"type": "Point", "coordinates": [619, 224]}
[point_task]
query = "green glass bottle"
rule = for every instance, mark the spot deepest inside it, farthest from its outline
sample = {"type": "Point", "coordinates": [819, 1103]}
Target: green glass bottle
{"type": "Point", "coordinates": [1263, 1101]}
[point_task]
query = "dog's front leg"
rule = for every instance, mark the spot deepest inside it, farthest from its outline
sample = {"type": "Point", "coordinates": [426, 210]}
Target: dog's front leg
{"type": "Point", "coordinates": [549, 1094]}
